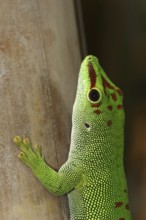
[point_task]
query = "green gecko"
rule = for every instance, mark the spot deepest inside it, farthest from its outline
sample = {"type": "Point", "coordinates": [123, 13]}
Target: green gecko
{"type": "Point", "coordinates": [93, 176]}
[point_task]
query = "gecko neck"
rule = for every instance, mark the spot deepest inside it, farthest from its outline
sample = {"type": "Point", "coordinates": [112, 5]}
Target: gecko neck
{"type": "Point", "coordinates": [99, 152]}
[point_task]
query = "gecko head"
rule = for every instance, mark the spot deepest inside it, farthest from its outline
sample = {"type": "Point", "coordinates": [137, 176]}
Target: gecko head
{"type": "Point", "coordinates": [98, 117]}
{"type": "Point", "coordinates": [98, 102]}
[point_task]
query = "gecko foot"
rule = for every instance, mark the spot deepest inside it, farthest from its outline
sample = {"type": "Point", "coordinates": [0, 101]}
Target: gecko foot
{"type": "Point", "coordinates": [31, 156]}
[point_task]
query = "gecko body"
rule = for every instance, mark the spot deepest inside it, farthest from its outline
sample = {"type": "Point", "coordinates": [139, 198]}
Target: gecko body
{"type": "Point", "coordinates": [93, 176]}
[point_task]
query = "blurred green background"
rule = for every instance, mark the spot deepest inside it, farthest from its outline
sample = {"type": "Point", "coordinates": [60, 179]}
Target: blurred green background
{"type": "Point", "coordinates": [115, 31]}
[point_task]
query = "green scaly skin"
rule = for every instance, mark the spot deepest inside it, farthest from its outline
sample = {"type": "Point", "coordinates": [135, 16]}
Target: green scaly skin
{"type": "Point", "coordinates": [93, 176]}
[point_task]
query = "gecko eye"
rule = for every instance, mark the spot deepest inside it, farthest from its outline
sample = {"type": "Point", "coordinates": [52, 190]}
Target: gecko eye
{"type": "Point", "coordinates": [93, 95]}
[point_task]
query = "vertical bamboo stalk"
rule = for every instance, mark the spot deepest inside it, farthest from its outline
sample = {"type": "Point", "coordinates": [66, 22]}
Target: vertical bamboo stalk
{"type": "Point", "coordinates": [39, 62]}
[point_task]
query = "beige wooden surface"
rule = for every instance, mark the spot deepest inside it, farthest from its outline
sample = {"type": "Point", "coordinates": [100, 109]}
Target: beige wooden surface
{"type": "Point", "coordinates": [39, 63]}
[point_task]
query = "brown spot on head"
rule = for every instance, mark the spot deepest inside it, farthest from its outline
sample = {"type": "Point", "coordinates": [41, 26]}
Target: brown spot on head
{"type": "Point", "coordinates": [118, 204]}
{"type": "Point", "coordinates": [97, 111]}
{"type": "Point", "coordinates": [127, 206]}
{"type": "Point", "coordinates": [119, 107]}
{"type": "Point", "coordinates": [106, 84]}
{"type": "Point", "coordinates": [114, 97]}
{"type": "Point", "coordinates": [119, 92]}
{"type": "Point", "coordinates": [109, 123]}
{"type": "Point", "coordinates": [110, 107]}
{"type": "Point", "coordinates": [92, 75]}
{"type": "Point", "coordinates": [96, 105]}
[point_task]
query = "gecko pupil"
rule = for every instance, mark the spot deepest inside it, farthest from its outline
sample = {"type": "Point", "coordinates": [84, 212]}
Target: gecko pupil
{"type": "Point", "coordinates": [94, 95]}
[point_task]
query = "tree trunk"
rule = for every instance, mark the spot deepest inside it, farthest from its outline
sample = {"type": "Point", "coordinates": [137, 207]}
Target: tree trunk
{"type": "Point", "coordinates": [39, 63]}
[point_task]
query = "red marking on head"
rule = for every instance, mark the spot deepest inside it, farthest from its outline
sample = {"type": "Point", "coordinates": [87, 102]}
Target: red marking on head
{"type": "Point", "coordinates": [96, 105]}
{"type": "Point", "coordinates": [118, 204]}
{"type": "Point", "coordinates": [114, 97]}
{"type": "Point", "coordinates": [127, 206]}
{"type": "Point", "coordinates": [106, 84]}
{"type": "Point", "coordinates": [109, 123]}
{"type": "Point", "coordinates": [119, 107]}
{"type": "Point", "coordinates": [121, 219]}
{"type": "Point", "coordinates": [92, 75]}
{"type": "Point", "coordinates": [119, 92]}
{"type": "Point", "coordinates": [97, 111]}
{"type": "Point", "coordinates": [110, 107]}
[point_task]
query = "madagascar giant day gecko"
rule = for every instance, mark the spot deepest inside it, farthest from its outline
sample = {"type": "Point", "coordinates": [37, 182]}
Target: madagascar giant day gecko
{"type": "Point", "coordinates": [93, 176]}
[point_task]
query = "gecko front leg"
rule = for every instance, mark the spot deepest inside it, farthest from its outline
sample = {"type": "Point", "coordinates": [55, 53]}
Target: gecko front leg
{"type": "Point", "coordinates": [59, 183]}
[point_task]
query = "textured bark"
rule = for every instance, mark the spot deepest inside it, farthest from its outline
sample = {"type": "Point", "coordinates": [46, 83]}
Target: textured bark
{"type": "Point", "coordinates": [39, 63]}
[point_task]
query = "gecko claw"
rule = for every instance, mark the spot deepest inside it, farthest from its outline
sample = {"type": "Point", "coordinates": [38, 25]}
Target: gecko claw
{"type": "Point", "coordinates": [38, 150]}
{"type": "Point", "coordinates": [21, 154]}
{"type": "Point", "coordinates": [26, 141]}
{"type": "Point", "coordinates": [17, 140]}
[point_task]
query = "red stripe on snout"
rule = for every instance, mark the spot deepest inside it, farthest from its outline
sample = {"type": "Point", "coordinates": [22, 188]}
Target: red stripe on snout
{"type": "Point", "coordinates": [92, 75]}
